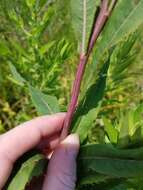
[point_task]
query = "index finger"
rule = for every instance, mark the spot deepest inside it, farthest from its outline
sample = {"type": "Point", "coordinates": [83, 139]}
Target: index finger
{"type": "Point", "coordinates": [27, 135]}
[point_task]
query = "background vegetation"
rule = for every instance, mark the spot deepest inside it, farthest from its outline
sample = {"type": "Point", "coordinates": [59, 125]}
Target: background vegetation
{"type": "Point", "coordinates": [37, 42]}
{"type": "Point", "coordinates": [38, 45]}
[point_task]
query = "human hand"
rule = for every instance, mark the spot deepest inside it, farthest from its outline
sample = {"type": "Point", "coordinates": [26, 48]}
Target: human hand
{"type": "Point", "coordinates": [61, 173]}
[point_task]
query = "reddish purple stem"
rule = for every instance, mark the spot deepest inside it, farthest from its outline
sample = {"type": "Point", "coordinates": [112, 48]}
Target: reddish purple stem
{"type": "Point", "coordinates": [75, 94]}
{"type": "Point", "coordinates": [100, 21]}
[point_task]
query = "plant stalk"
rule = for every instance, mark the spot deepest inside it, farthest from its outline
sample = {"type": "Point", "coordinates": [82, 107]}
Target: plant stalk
{"type": "Point", "coordinates": [98, 26]}
{"type": "Point", "coordinates": [74, 96]}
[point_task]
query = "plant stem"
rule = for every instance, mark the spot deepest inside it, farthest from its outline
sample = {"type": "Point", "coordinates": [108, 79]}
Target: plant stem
{"type": "Point", "coordinates": [100, 21]}
{"type": "Point", "coordinates": [104, 13]}
{"type": "Point", "coordinates": [98, 25]}
{"type": "Point", "coordinates": [74, 96]}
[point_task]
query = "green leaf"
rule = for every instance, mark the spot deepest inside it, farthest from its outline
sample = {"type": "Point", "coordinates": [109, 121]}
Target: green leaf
{"type": "Point", "coordinates": [125, 19]}
{"type": "Point", "coordinates": [15, 18]}
{"type": "Point", "coordinates": [33, 167]}
{"type": "Point", "coordinates": [83, 13]}
{"type": "Point", "coordinates": [110, 130]}
{"type": "Point", "coordinates": [138, 113]}
{"type": "Point", "coordinates": [18, 48]}
{"type": "Point", "coordinates": [137, 138]}
{"type": "Point", "coordinates": [123, 57]}
{"type": "Point", "coordinates": [106, 160]}
{"type": "Point", "coordinates": [90, 104]}
{"type": "Point", "coordinates": [119, 26]}
{"type": "Point", "coordinates": [4, 50]}
{"type": "Point", "coordinates": [64, 49]}
{"type": "Point", "coordinates": [42, 3]}
{"type": "Point", "coordinates": [38, 31]}
{"type": "Point", "coordinates": [44, 104]}
{"type": "Point", "coordinates": [124, 135]}
{"type": "Point", "coordinates": [91, 179]}
{"type": "Point", "coordinates": [2, 129]}
{"type": "Point", "coordinates": [17, 78]}
{"type": "Point", "coordinates": [45, 48]}
{"type": "Point", "coordinates": [30, 3]}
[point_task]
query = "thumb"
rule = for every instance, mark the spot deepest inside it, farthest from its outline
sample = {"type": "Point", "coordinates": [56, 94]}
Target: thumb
{"type": "Point", "coordinates": [61, 174]}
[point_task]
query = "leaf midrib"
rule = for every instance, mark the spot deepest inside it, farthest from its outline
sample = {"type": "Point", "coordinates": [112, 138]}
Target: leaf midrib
{"type": "Point", "coordinates": [47, 104]}
{"type": "Point", "coordinates": [107, 158]}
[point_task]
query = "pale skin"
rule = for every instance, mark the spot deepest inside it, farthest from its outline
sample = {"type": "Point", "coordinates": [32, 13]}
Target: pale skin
{"type": "Point", "coordinates": [42, 131]}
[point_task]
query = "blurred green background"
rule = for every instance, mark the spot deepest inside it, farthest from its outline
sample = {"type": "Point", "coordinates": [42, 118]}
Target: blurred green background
{"type": "Point", "coordinates": [37, 41]}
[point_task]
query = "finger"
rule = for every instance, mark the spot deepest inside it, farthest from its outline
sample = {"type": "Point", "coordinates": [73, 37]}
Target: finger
{"type": "Point", "coordinates": [24, 137]}
{"type": "Point", "coordinates": [27, 135]}
{"type": "Point", "coordinates": [61, 173]}
{"type": "Point", "coordinates": [48, 145]}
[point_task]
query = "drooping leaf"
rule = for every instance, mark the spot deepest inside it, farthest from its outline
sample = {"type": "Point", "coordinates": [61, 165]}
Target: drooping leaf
{"type": "Point", "coordinates": [113, 162]}
{"type": "Point", "coordinates": [103, 182]}
{"type": "Point", "coordinates": [44, 104]}
{"type": "Point", "coordinates": [17, 78]}
{"type": "Point", "coordinates": [83, 13]}
{"type": "Point", "coordinates": [90, 104]}
{"type": "Point", "coordinates": [33, 167]}
{"type": "Point", "coordinates": [90, 179]}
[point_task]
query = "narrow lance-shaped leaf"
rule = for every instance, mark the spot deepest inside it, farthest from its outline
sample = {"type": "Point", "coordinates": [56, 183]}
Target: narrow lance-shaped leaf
{"type": "Point", "coordinates": [83, 13]}
{"type": "Point", "coordinates": [90, 104]}
{"type": "Point", "coordinates": [33, 167]}
{"type": "Point", "coordinates": [4, 50]}
{"type": "Point", "coordinates": [124, 136]}
{"type": "Point", "coordinates": [106, 160]}
{"type": "Point", "coordinates": [91, 180]}
{"type": "Point", "coordinates": [17, 78]}
{"type": "Point", "coordinates": [2, 129]}
{"type": "Point", "coordinates": [110, 130]}
{"type": "Point", "coordinates": [30, 3]}
{"type": "Point", "coordinates": [125, 19]}
{"type": "Point", "coordinates": [44, 104]}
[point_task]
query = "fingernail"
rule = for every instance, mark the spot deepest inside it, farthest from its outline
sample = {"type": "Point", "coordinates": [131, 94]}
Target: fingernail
{"type": "Point", "coordinates": [72, 144]}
